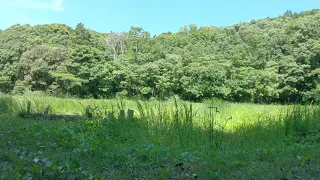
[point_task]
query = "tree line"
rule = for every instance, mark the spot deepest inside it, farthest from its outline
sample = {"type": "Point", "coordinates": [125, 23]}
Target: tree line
{"type": "Point", "coordinates": [262, 61]}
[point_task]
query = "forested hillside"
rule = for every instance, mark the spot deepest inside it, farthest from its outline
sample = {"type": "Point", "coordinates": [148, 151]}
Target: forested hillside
{"type": "Point", "coordinates": [269, 60]}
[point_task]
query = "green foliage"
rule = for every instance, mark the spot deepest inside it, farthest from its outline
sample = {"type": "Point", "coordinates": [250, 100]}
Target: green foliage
{"type": "Point", "coordinates": [264, 61]}
{"type": "Point", "coordinates": [5, 83]}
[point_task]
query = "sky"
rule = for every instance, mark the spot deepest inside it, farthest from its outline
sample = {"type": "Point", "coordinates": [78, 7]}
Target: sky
{"type": "Point", "coordinates": [154, 16]}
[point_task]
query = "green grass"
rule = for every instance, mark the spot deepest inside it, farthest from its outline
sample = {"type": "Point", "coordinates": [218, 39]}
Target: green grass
{"type": "Point", "coordinates": [166, 140]}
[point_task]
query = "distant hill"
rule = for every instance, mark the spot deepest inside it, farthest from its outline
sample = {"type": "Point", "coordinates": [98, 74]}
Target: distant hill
{"type": "Point", "coordinates": [268, 60]}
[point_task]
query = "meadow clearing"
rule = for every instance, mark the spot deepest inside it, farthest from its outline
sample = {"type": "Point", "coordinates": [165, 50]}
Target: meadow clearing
{"type": "Point", "coordinates": [171, 139]}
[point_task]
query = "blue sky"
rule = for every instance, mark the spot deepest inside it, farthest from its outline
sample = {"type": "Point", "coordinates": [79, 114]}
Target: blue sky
{"type": "Point", "coordinates": [155, 16]}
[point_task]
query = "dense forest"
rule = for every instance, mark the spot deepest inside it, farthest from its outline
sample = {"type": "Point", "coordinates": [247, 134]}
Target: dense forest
{"type": "Point", "coordinates": [263, 61]}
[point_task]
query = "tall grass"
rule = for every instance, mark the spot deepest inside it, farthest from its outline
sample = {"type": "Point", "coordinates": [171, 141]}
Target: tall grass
{"type": "Point", "coordinates": [211, 115]}
{"type": "Point", "coordinates": [302, 120]}
{"type": "Point", "coordinates": [218, 139]}
{"type": "Point", "coordinates": [11, 105]}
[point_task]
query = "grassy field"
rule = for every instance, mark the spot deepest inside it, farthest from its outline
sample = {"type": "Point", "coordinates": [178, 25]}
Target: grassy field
{"type": "Point", "coordinates": [165, 140]}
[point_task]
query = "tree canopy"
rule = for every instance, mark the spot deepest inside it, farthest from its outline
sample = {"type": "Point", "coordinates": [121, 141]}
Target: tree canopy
{"type": "Point", "coordinates": [268, 60]}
